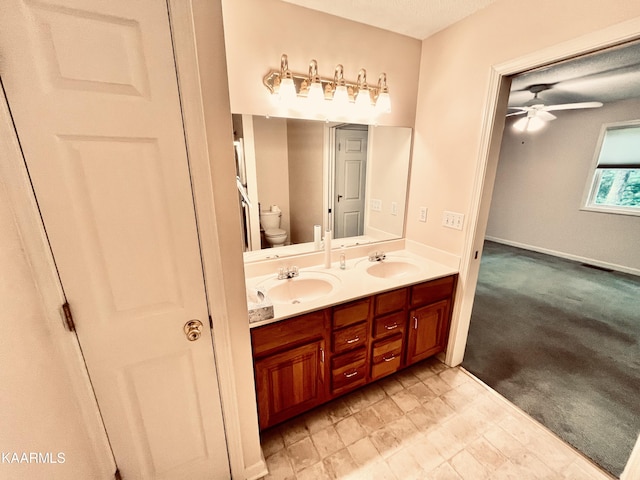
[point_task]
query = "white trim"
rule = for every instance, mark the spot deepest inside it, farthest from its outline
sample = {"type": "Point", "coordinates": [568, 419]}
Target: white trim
{"type": "Point", "coordinates": [487, 161]}
{"type": "Point", "coordinates": [16, 181]}
{"type": "Point", "coordinates": [592, 184]}
{"type": "Point", "coordinates": [568, 256]}
{"type": "Point", "coordinates": [183, 33]}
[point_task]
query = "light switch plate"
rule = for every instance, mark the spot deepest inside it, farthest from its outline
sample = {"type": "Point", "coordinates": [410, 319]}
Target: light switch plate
{"type": "Point", "coordinates": [453, 220]}
{"type": "Point", "coordinates": [423, 214]}
{"type": "Point", "coordinates": [394, 208]}
{"type": "Point", "coordinates": [376, 205]}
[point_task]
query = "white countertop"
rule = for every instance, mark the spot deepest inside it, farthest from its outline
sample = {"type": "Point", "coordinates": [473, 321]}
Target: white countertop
{"type": "Point", "coordinates": [351, 283]}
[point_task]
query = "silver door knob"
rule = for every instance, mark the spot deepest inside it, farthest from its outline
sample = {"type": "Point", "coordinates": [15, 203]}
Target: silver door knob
{"type": "Point", "coordinates": [193, 330]}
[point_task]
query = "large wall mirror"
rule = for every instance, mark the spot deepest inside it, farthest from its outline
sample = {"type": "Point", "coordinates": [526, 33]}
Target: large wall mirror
{"type": "Point", "coordinates": [298, 178]}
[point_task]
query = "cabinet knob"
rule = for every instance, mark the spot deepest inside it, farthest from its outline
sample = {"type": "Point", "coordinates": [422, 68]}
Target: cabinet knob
{"type": "Point", "coordinates": [353, 340]}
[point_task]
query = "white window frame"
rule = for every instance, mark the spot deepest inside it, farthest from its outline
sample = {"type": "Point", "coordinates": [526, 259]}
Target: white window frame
{"type": "Point", "coordinates": [591, 188]}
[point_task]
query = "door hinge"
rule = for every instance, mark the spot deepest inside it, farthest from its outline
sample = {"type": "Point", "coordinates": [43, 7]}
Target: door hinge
{"type": "Point", "coordinates": [68, 318]}
{"type": "Point", "coordinates": [117, 475]}
{"type": "Point", "coordinates": [339, 146]}
{"type": "Point", "coordinates": [210, 322]}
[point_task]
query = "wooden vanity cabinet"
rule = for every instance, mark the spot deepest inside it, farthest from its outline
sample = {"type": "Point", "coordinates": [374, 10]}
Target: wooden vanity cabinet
{"type": "Point", "coordinates": [429, 318]}
{"type": "Point", "coordinates": [307, 360]}
{"type": "Point", "coordinates": [289, 362]}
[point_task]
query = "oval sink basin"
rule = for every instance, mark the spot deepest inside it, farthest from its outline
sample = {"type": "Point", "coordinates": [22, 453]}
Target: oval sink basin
{"type": "Point", "coordinates": [304, 288]}
{"type": "Point", "coordinates": [392, 269]}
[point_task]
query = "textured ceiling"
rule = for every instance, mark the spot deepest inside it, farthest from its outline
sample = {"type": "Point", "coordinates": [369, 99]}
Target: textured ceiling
{"type": "Point", "coordinates": [414, 18]}
{"type": "Point", "coordinates": [606, 76]}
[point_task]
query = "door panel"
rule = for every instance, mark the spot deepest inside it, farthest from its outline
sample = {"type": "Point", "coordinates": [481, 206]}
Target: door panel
{"type": "Point", "coordinates": [93, 93]}
{"type": "Point", "coordinates": [350, 180]}
{"type": "Point", "coordinates": [428, 331]}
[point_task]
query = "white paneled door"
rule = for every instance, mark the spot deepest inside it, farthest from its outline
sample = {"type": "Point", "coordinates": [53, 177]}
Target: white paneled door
{"type": "Point", "coordinates": [350, 181]}
{"type": "Point", "coordinates": [93, 92]}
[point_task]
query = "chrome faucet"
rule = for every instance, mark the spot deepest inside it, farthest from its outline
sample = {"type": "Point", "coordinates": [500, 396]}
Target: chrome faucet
{"type": "Point", "coordinates": [285, 273]}
{"type": "Point", "coordinates": [377, 256]}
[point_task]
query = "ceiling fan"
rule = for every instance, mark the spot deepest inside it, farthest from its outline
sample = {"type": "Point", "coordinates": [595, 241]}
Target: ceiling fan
{"type": "Point", "coordinates": [537, 114]}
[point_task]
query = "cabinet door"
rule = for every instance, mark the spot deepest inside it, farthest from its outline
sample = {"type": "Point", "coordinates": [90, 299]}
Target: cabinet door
{"type": "Point", "coordinates": [428, 331]}
{"type": "Point", "coordinates": [290, 382]}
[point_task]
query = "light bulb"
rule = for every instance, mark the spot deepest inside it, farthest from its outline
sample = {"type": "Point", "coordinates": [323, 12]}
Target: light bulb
{"type": "Point", "coordinates": [287, 93]}
{"type": "Point", "coordinates": [316, 94]}
{"type": "Point", "coordinates": [383, 103]}
{"type": "Point", "coordinates": [535, 124]}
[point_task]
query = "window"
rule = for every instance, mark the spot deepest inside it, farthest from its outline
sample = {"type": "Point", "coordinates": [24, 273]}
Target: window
{"type": "Point", "coordinates": [615, 185]}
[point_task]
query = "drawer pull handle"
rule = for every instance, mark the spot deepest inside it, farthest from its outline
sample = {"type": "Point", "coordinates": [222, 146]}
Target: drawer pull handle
{"type": "Point", "coordinates": [353, 340]}
{"type": "Point", "coordinates": [415, 323]}
{"type": "Point", "coordinates": [350, 374]}
{"type": "Point", "coordinates": [388, 359]}
{"type": "Point", "coordinates": [391, 327]}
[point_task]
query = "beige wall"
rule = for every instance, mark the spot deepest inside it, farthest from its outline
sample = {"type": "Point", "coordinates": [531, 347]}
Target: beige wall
{"type": "Point", "coordinates": [258, 32]}
{"type": "Point", "coordinates": [539, 189]}
{"type": "Point", "coordinates": [453, 93]}
{"type": "Point", "coordinates": [272, 165]}
{"type": "Point", "coordinates": [306, 151]}
{"type": "Point", "coordinates": [387, 175]}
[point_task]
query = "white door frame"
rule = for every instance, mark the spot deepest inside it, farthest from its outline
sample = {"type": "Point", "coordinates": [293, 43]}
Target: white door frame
{"type": "Point", "coordinates": [191, 97]}
{"type": "Point", "coordinates": [488, 156]}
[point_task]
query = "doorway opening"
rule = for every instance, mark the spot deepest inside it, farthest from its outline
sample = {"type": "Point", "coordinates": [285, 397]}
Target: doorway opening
{"type": "Point", "coordinates": [526, 169]}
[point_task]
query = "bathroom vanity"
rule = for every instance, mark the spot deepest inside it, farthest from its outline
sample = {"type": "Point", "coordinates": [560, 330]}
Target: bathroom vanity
{"type": "Point", "coordinates": [304, 360]}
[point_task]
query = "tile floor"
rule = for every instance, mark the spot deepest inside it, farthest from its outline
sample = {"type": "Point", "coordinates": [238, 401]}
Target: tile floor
{"type": "Point", "coordinates": [426, 422]}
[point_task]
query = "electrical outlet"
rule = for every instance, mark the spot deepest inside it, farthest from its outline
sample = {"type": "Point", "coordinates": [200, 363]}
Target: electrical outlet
{"type": "Point", "coordinates": [376, 205]}
{"type": "Point", "coordinates": [394, 208]}
{"type": "Point", "coordinates": [452, 220]}
{"type": "Point", "coordinates": [423, 214]}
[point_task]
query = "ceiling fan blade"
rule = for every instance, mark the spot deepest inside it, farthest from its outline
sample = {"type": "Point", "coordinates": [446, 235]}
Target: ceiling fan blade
{"type": "Point", "coordinates": [546, 116]}
{"type": "Point", "coordinates": [572, 106]}
{"type": "Point", "coordinates": [521, 112]}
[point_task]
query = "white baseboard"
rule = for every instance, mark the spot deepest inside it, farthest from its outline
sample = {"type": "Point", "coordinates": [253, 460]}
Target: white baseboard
{"type": "Point", "coordinates": [257, 470]}
{"type": "Point", "coordinates": [568, 256]}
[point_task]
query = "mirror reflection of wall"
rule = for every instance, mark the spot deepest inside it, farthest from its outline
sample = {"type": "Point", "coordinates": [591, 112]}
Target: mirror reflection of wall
{"type": "Point", "coordinates": [290, 181]}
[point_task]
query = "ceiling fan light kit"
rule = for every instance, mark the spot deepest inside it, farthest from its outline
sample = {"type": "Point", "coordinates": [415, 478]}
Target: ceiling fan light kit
{"type": "Point", "coordinates": [538, 113]}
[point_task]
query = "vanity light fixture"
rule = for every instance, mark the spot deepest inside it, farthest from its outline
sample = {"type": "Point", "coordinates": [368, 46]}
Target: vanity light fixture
{"type": "Point", "coordinates": [363, 97]}
{"type": "Point", "coordinates": [315, 90]}
{"type": "Point", "coordinates": [288, 86]}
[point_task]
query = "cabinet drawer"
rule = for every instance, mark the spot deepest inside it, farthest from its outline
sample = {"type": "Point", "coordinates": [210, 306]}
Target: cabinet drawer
{"type": "Point", "coordinates": [433, 291]}
{"type": "Point", "coordinates": [280, 335]}
{"type": "Point", "coordinates": [350, 337]}
{"type": "Point", "coordinates": [390, 301]}
{"type": "Point", "coordinates": [387, 355]}
{"type": "Point", "coordinates": [351, 313]}
{"type": "Point", "coordinates": [389, 324]}
{"type": "Point", "coordinates": [348, 371]}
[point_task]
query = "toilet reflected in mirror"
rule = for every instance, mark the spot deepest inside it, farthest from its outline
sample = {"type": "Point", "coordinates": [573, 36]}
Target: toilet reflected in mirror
{"type": "Point", "coordinates": [271, 233]}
